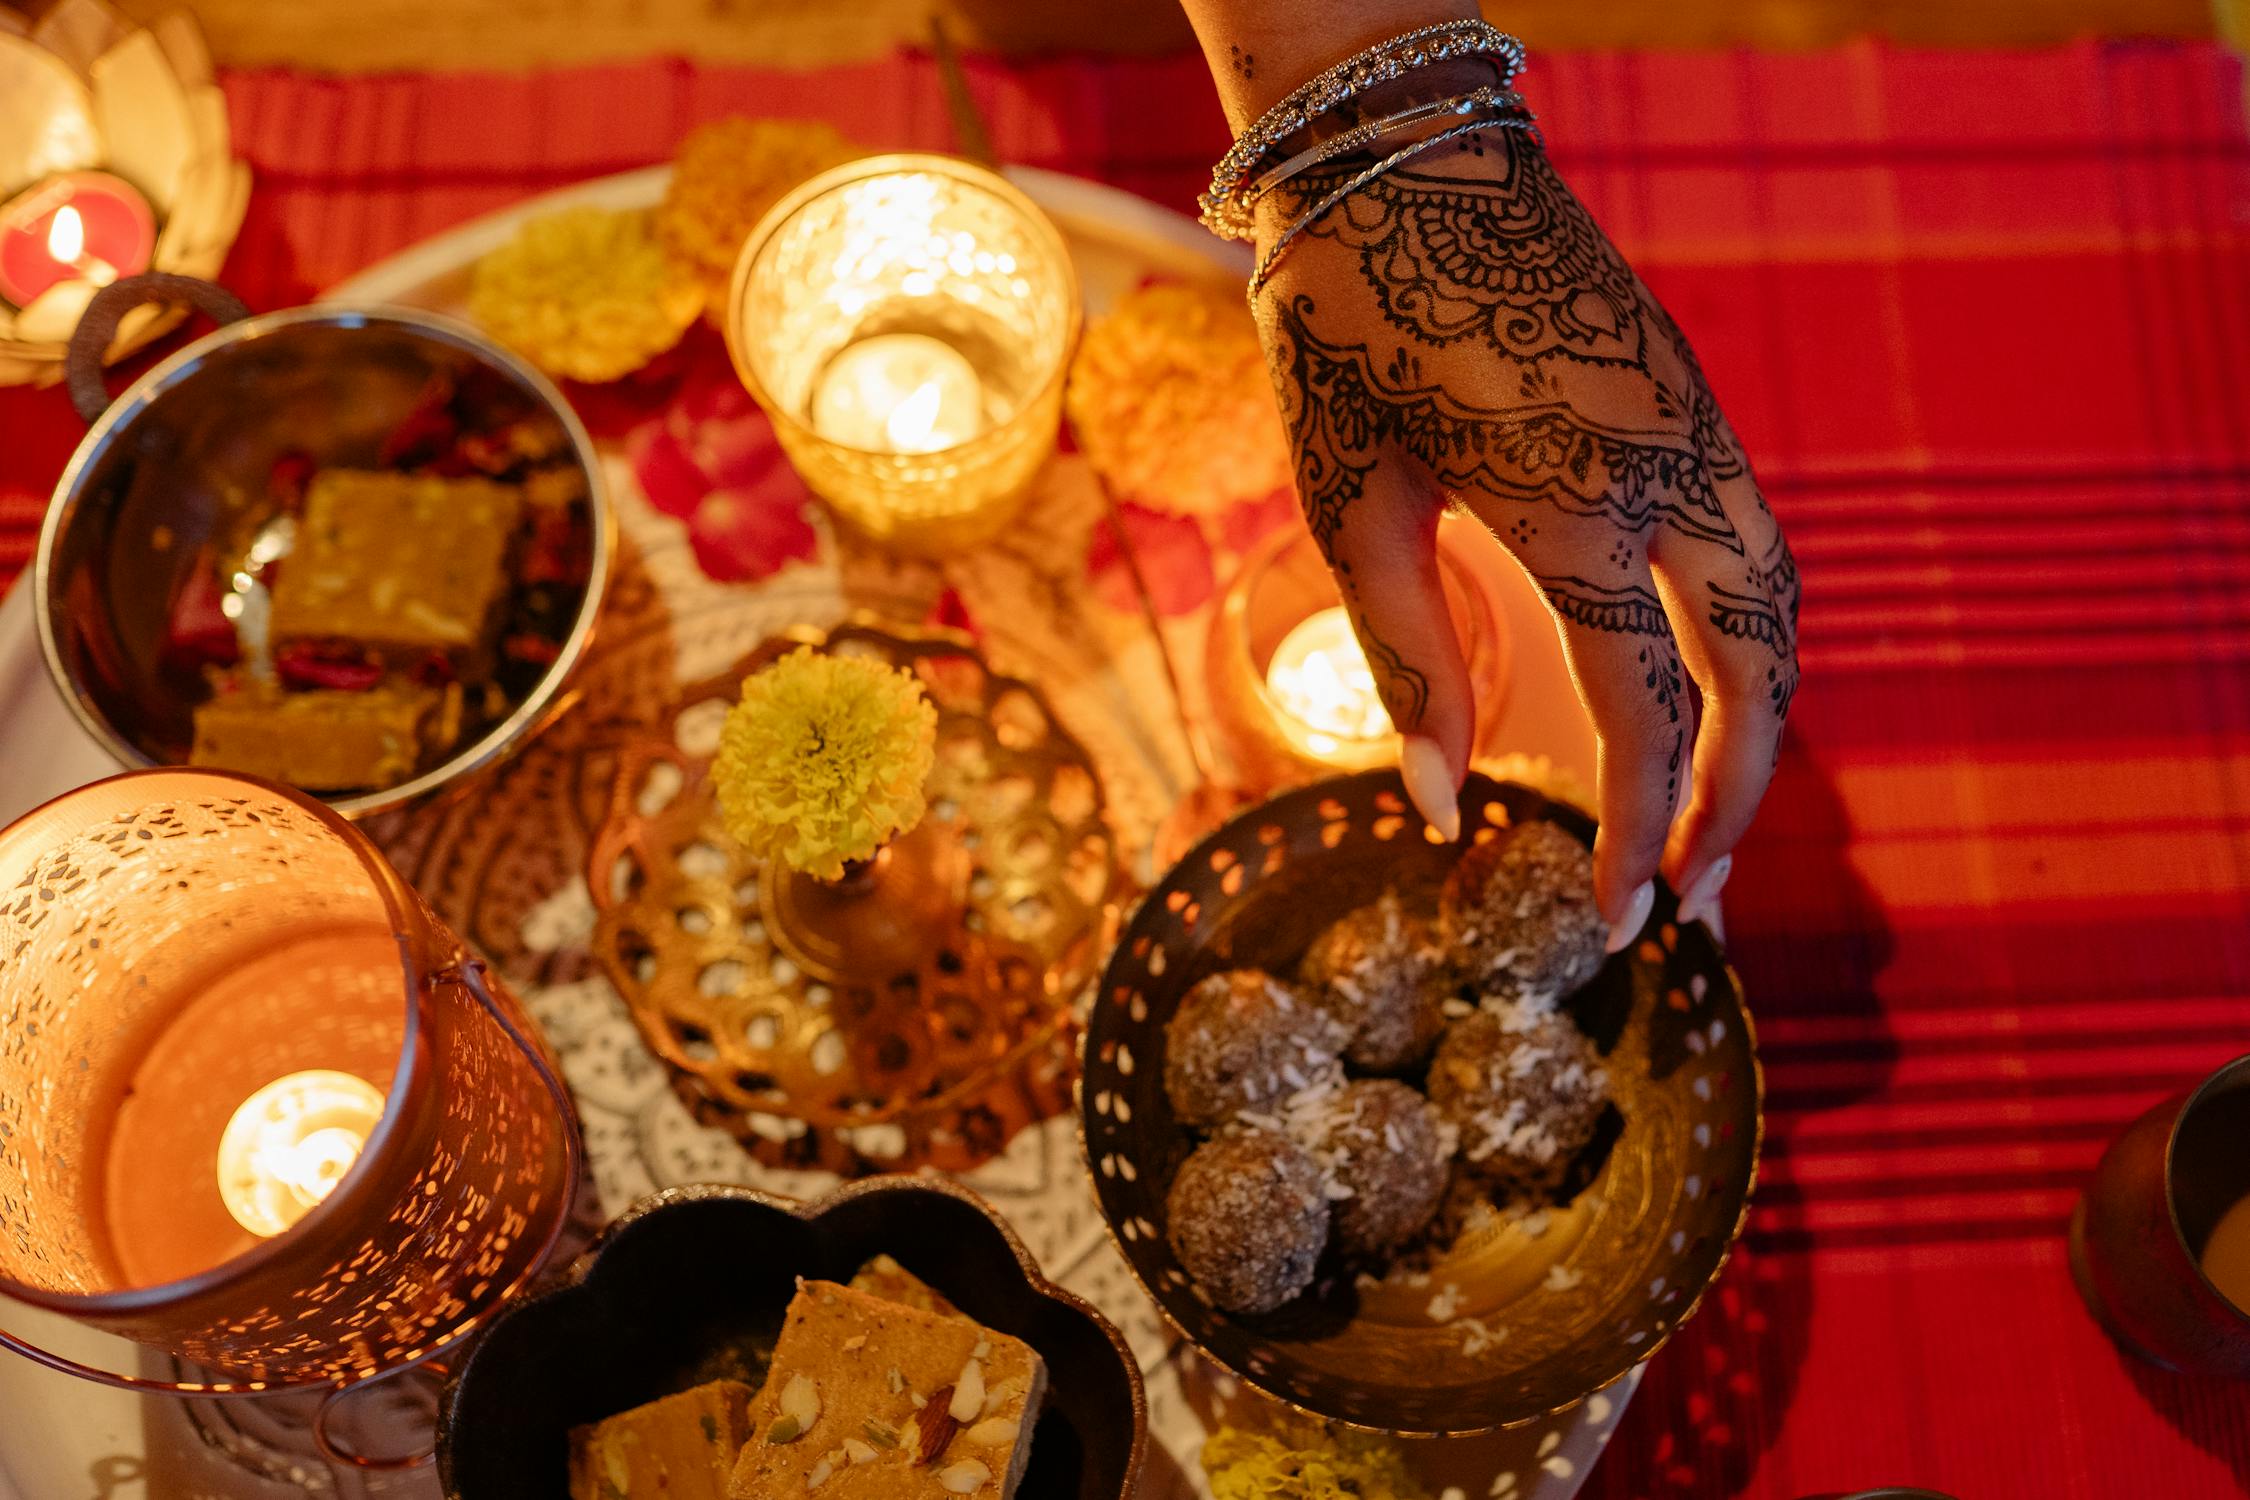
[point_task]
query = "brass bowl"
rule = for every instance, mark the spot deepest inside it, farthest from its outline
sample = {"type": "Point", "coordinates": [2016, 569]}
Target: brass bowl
{"type": "Point", "coordinates": [1542, 1315]}
{"type": "Point", "coordinates": [931, 995]}
{"type": "Point", "coordinates": [156, 471]}
{"type": "Point", "coordinates": [690, 1285]}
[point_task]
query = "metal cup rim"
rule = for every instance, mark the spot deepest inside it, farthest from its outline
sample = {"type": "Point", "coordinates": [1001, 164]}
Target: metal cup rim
{"type": "Point", "coordinates": [497, 742]}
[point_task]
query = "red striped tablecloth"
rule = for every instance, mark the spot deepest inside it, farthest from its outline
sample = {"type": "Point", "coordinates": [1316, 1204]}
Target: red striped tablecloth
{"type": "Point", "coordinates": [1984, 321]}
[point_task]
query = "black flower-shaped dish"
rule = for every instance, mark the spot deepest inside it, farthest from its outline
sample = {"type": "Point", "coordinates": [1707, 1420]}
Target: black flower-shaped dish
{"type": "Point", "coordinates": [1526, 1315]}
{"type": "Point", "coordinates": [690, 1285]}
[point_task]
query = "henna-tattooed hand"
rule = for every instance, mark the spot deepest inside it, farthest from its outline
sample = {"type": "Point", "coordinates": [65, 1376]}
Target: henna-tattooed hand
{"type": "Point", "coordinates": [1460, 331]}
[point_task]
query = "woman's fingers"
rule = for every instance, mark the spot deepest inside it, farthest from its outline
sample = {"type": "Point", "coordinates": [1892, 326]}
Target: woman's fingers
{"type": "Point", "coordinates": [1622, 654]}
{"type": "Point", "coordinates": [1739, 639]}
{"type": "Point", "coordinates": [1382, 549]}
{"type": "Point", "coordinates": [1736, 614]}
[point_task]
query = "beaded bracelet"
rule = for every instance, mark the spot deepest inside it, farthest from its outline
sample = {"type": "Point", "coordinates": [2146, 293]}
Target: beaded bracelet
{"type": "Point", "coordinates": [1359, 180]}
{"type": "Point", "coordinates": [1223, 209]}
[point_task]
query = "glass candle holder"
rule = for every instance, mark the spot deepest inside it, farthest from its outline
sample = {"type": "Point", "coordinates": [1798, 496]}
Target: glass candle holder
{"type": "Point", "coordinates": [907, 322]}
{"type": "Point", "coordinates": [1291, 692]}
{"type": "Point", "coordinates": [259, 1107]}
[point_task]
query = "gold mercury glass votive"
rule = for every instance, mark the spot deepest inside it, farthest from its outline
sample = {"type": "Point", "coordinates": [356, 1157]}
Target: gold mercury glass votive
{"type": "Point", "coordinates": [907, 322]}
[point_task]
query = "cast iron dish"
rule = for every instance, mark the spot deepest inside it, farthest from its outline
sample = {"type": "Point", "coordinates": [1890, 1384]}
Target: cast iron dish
{"type": "Point", "coordinates": [157, 467]}
{"type": "Point", "coordinates": [1557, 1314]}
{"type": "Point", "coordinates": [690, 1284]}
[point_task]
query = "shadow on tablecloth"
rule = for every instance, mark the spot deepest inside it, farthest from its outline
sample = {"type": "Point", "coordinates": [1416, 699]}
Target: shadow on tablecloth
{"type": "Point", "coordinates": [1810, 940]}
{"type": "Point", "coordinates": [2213, 1414]}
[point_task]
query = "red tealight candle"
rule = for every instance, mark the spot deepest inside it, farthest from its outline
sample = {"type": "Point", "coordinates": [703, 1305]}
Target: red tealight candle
{"type": "Point", "coordinates": [81, 226]}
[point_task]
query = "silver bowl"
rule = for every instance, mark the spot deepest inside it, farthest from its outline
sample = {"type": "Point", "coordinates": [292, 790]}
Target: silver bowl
{"type": "Point", "coordinates": [151, 479]}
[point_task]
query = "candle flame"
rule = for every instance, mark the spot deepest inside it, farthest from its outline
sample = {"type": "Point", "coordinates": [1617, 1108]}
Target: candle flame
{"type": "Point", "coordinates": [291, 1143]}
{"type": "Point", "coordinates": [914, 419]}
{"type": "Point", "coordinates": [66, 236]}
{"type": "Point", "coordinates": [1320, 677]}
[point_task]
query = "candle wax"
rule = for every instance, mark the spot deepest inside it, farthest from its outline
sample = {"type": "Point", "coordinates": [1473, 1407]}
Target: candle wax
{"type": "Point", "coordinates": [2226, 1255]}
{"type": "Point", "coordinates": [82, 226]}
{"type": "Point", "coordinates": [899, 393]}
{"type": "Point", "coordinates": [333, 1000]}
{"type": "Point", "coordinates": [1320, 678]}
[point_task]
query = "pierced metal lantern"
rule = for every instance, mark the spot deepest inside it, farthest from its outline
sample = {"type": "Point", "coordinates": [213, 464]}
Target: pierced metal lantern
{"type": "Point", "coordinates": [259, 1107]}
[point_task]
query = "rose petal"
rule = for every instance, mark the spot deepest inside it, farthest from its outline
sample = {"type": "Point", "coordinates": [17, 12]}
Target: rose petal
{"type": "Point", "coordinates": [667, 473]}
{"type": "Point", "coordinates": [951, 612]}
{"type": "Point", "coordinates": [736, 450]}
{"type": "Point", "coordinates": [1244, 525]}
{"type": "Point", "coordinates": [1173, 555]}
{"type": "Point", "coordinates": [742, 535]}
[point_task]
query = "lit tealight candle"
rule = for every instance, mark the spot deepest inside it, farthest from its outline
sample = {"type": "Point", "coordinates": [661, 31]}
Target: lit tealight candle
{"type": "Point", "coordinates": [899, 393]}
{"type": "Point", "coordinates": [82, 226]}
{"type": "Point", "coordinates": [1320, 680]}
{"type": "Point", "coordinates": [289, 1145]}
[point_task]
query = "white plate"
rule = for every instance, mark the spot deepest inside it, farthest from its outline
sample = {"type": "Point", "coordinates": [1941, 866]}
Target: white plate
{"type": "Point", "coordinates": [56, 1430]}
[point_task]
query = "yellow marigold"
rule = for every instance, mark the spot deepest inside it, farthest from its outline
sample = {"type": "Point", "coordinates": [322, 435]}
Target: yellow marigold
{"type": "Point", "coordinates": [586, 292]}
{"type": "Point", "coordinates": [824, 759]}
{"type": "Point", "coordinates": [726, 176]}
{"type": "Point", "coordinates": [1171, 401]}
{"type": "Point", "coordinates": [1306, 1464]}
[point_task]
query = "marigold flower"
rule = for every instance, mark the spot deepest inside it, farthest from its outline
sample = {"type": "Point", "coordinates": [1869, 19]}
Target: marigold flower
{"type": "Point", "coordinates": [824, 760]}
{"type": "Point", "coordinates": [1171, 401]}
{"type": "Point", "coordinates": [586, 293]}
{"type": "Point", "coordinates": [1303, 1462]}
{"type": "Point", "coordinates": [726, 176]}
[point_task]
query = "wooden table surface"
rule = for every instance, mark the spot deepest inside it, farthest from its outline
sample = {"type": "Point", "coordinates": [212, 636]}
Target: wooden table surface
{"type": "Point", "coordinates": [375, 35]}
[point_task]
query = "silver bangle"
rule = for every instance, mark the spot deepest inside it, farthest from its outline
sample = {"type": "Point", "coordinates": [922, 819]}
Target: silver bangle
{"type": "Point", "coordinates": [1359, 180]}
{"type": "Point", "coordinates": [1345, 81]}
{"type": "Point", "coordinates": [1486, 98]}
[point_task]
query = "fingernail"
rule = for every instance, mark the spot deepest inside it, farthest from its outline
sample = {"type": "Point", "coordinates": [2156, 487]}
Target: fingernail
{"type": "Point", "coordinates": [1429, 781]}
{"type": "Point", "coordinates": [1636, 916]}
{"type": "Point", "coordinates": [1702, 901]}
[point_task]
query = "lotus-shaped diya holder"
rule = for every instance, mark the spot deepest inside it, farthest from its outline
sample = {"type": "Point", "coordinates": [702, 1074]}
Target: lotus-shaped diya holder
{"type": "Point", "coordinates": [916, 1011]}
{"type": "Point", "coordinates": [115, 158]}
{"type": "Point", "coordinates": [1526, 1314]}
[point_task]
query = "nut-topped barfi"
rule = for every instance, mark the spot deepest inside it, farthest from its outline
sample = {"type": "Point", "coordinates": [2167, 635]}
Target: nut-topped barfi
{"type": "Point", "coordinates": [884, 1277]}
{"type": "Point", "coordinates": [868, 1399]}
{"type": "Point", "coordinates": [398, 561]}
{"type": "Point", "coordinates": [679, 1448]}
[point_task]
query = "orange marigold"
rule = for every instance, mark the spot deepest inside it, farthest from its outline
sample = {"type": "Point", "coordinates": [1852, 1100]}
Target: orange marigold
{"type": "Point", "coordinates": [1171, 401]}
{"type": "Point", "coordinates": [726, 176]}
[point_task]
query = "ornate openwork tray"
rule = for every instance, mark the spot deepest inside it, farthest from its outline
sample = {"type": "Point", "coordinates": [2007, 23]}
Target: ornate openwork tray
{"type": "Point", "coordinates": [922, 995]}
{"type": "Point", "coordinates": [1519, 1319]}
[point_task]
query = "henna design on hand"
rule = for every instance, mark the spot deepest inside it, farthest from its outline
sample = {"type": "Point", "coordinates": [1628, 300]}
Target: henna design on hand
{"type": "Point", "coordinates": [1344, 412]}
{"type": "Point", "coordinates": [1509, 256]}
{"type": "Point", "coordinates": [1631, 610]}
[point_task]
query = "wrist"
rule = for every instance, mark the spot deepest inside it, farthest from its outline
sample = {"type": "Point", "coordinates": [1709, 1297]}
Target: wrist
{"type": "Point", "coordinates": [1269, 53]}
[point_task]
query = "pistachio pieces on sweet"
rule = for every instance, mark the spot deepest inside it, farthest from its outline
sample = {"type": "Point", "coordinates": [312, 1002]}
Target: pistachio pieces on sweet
{"type": "Point", "coordinates": [800, 1409]}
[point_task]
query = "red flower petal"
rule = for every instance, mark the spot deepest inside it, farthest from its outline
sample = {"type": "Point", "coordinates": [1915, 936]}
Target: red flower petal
{"type": "Point", "coordinates": [1245, 524]}
{"type": "Point", "coordinates": [616, 407]}
{"type": "Point", "coordinates": [668, 474]}
{"type": "Point", "coordinates": [951, 612]}
{"type": "Point", "coordinates": [742, 535]}
{"type": "Point", "coordinates": [736, 450]}
{"type": "Point", "coordinates": [198, 633]}
{"type": "Point", "coordinates": [1173, 555]}
{"type": "Point", "coordinates": [336, 666]}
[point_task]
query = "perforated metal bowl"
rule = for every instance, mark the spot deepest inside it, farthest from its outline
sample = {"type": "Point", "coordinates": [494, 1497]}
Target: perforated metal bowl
{"type": "Point", "coordinates": [1509, 1325]}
